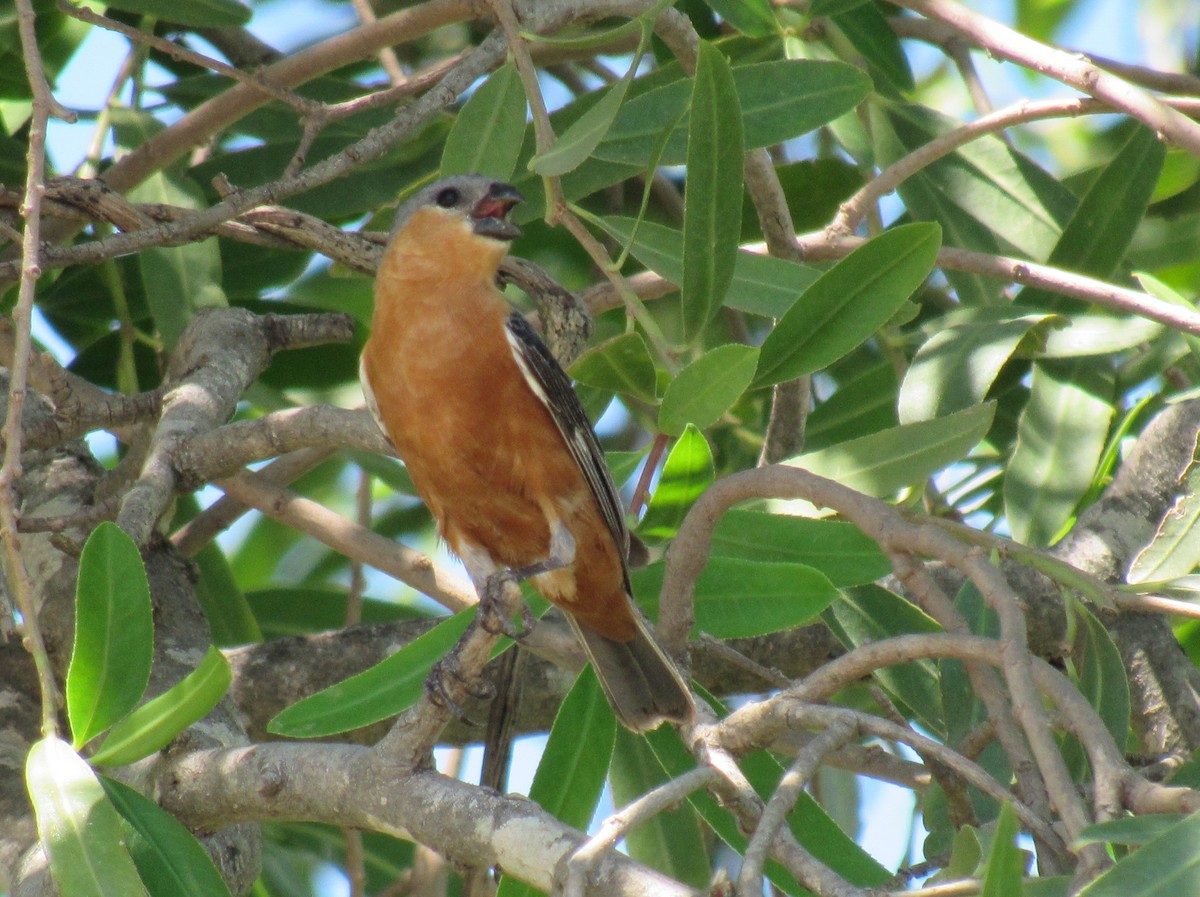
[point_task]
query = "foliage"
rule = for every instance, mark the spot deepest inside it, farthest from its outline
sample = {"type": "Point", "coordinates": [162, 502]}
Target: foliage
{"type": "Point", "coordinates": [982, 332]}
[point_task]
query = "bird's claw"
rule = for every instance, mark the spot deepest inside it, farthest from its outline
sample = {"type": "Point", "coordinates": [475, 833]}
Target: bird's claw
{"type": "Point", "coordinates": [439, 685]}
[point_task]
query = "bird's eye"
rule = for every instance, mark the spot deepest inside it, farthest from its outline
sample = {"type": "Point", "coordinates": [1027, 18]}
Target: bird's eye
{"type": "Point", "coordinates": [448, 198]}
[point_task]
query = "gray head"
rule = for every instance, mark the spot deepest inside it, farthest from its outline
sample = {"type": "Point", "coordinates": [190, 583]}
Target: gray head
{"type": "Point", "coordinates": [482, 201]}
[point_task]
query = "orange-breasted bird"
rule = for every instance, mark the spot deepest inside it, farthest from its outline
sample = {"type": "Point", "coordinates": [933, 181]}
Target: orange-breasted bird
{"type": "Point", "coordinates": [496, 441]}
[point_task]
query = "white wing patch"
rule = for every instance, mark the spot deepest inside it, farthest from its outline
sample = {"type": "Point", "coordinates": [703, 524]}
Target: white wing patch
{"type": "Point", "coordinates": [514, 343]}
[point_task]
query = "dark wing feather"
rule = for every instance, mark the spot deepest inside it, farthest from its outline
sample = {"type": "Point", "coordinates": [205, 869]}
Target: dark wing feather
{"type": "Point", "coordinates": [553, 387]}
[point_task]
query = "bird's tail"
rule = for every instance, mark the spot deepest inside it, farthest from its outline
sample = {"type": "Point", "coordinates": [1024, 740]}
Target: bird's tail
{"type": "Point", "coordinates": [642, 683]}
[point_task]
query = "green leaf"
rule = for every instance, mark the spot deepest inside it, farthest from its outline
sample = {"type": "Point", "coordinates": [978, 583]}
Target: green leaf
{"type": "Point", "coordinates": [1099, 233]}
{"type": "Point", "coordinates": [779, 100]}
{"type": "Point", "coordinates": [883, 462]}
{"type": "Point", "coordinates": [808, 821]}
{"type": "Point", "coordinates": [1132, 830]}
{"type": "Point", "coordinates": [687, 472]}
{"type": "Point", "coordinates": [114, 633]}
{"type": "Point", "coordinates": [985, 195]}
{"type": "Point", "coordinates": [956, 367]}
{"type": "Point", "coordinates": [78, 827]}
{"type": "Point", "coordinates": [622, 365]}
{"type": "Point", "coordinates": [742, 599]}
{"type": "Point", "coordinates": [671, 841]}
{"type": "Point", "coordinates": [1175, 549]}
{"type": "Point", "coordinates": [1060, 436]}
{"type": "Point", "coordinates": [1099, 334]}
{"type": "Point", "coordinates": [753, 18]}
{"type": "Point", "coordinates": [1168, 866]}
{"type": "Point", "coordinates": [871, 613]}
{"type": "Point", "coordinates": [576, 144]}
{"type": "Point", "coordinates": [295, 610]}
{"type": "Point", "coordinates": [1101, 677]}
{"type": "Point", "coordinates": [835, 547]}
{"type": "Point", "coordinates": [761, 284]}
{"type": "Point", "coordinates": [488, 132]}
{"type": "Point", "coordinates": [849, 302]}
{"type": "Point", "coordinates": [171, 861]}
{"type": "Point", "coordinates": [178, 280]}
{"type": "Point", "coordinates": [574, 764]}
{"type": "Point", "coordinates": [1005, 863]}
{"type": "Point", "coordinates": [869, 31]}
{"type": "Point", "coordinates": [230, 619]}
{"type": "Point", "coordinates": [707, 388]}
{"type": "Point", "coordinates": [387, 688]}
{"type": "Point", "coordinates": [153, 725]}
{"type": "Point", "coordinates": [712, 202]}
{"type": "Point", "coordinates": [196, 13]}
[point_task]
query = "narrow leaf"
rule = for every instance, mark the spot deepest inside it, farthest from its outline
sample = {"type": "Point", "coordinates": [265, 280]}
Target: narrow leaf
{"type": "Point", "coordinates": [114, 633]}
{"type": "Point", "coordinates": [1096, 238]}
{"type": "Point", "coordinates": [671, 841]}
{"type": "Point", "coordinates": [753, 18]}
{"type": "Point", "coordinates": [1060, 437]}
{"type": "Point", "coordinates": [78, 827]}
{"type": "Point", "coordinates": [883, 462]}
{"type": "Point", "coordinates": [196, 13]}
{"type": "Point", "coordinates": [153, 725]}
{"type": "Point", "coordinates": [576, 144]}
{"type": "Point", "coordinates": [849, 302]}
{"type": "Point", "coordinates": [688, 471]}
{"type": "Point", "coordinates": [957, 366]}
{"type": "Point", "coordinates": [1168, 866]}
{"type": "Point", "coordinates": [170, 859]}
{"type": "Point", "coordinates": [622, 365]}
{"type": "Point", "coordinates": [387, 688]}
{"type": "Point", "coordinates": [871, 613]}
{"type": "Point", "coordinates": [743, 599]}
{"type": "Point", "coordinates": [835, 547]}
{"type": "Point", "coordinates": [712, 202]}
{"type": "Point", "coordinates": [1175, 549]}
{"type": "Point", "coordinates": [705, 389]}
{"type": "Point", "coordinates": [489, 129]}
{"type": "Point", "coordinates": [1005, 863]}
{"type": "Point", "coordinates": [761, 284]}
{"type": "Point", "coordinates": [1101, 677]}
{"type": "Point", "coordinates": [574, 764]}
{"type": "Point", "coordinates": [1132, 830]}
{"type": "Point", "coordinates": [872, 35]}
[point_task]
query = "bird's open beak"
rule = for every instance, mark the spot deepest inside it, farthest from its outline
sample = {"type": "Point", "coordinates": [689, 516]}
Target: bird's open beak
{"type": "Point", "coordinates": [491, 213]}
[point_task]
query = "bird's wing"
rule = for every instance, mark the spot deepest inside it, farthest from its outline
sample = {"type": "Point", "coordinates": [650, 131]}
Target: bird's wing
{"type": "Point", "coordinates": [550, 383]}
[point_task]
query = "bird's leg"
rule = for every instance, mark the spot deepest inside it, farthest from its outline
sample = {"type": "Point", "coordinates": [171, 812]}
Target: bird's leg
{"type": "Point", "coordinates": [491, 596]}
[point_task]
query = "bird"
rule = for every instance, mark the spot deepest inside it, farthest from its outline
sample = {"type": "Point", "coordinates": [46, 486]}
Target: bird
{"type": "Point", "coordinates": [496, 441]}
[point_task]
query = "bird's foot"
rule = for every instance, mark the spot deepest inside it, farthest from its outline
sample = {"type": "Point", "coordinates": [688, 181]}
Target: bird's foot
{"type": "Point", "coordinates": [492, 612]}
{"type": "Point", "coordinates": [445, 684]}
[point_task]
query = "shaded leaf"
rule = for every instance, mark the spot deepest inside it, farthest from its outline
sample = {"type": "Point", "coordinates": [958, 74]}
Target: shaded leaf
{"type": "Point", "coordinates": [489, 129]}
{"type": "Point", "coordinates": [196, 13]}
{"type": "Point", "coordinates": [1005, 863]}
{"type": "Point", "coordinates": [1060, 436]}
{"type": "Point", "coordinates": [712, 202]}
{"type": "Point", "coordinates": [956, 367]}
{"type": "Point", "coordinates": [761, 284]}
{"type": "Point", "coordinates": [671, 841]}
{"type": "Point", "coordinates": [883, 462]}
{"type": "Point", "coordinates": [171, 861]}
{"type": "Point", "coordinates": [707, 388]}
{"type": "Point", "coordinates": [866, 27]}
{"type": "Point", "coordinates": [1167, 866]}
{"type": "Point", "coordinates": [621, 365]}
{"type": "Point", "coordinates": [1175, 549]}
{"type": "Point", "coordinates": [870, 613]}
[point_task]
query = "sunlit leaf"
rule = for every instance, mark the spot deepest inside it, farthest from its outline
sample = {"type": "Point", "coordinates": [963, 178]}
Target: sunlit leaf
{"type": "Point", "coordinates": [78, 827]}
{"type": "Point", "coordinates": [114, 633]}
{"type": "Point", "coordinates": [688, 471]}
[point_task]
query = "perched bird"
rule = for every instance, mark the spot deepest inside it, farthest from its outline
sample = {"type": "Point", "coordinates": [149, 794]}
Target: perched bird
{"type": "Point", "coordinates": [495, 439]}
